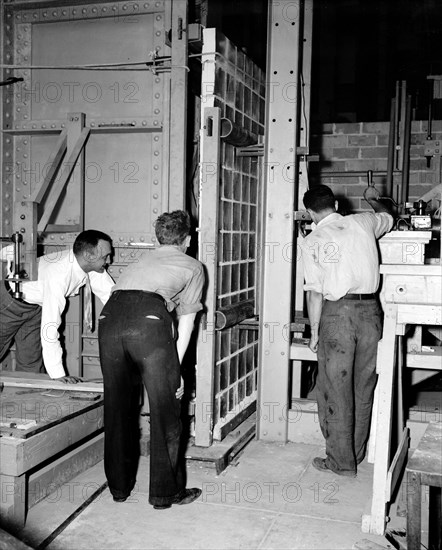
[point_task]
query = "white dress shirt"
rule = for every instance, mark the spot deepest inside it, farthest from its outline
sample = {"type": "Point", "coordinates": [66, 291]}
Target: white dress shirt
{"type": "Point", "coordinates": [59, 276]}
{"type": "Point", "coordinates": [340, 256]}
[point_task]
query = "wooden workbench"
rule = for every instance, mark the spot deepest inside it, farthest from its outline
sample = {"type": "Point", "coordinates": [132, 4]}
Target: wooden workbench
{"type": "Point", "coordinates": [411, 295]}
{"type": "Point", "coordinates": [44, 441]}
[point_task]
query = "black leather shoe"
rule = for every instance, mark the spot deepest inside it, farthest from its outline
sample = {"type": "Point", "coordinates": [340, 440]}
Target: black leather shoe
{"type": "Point", "coordinates": [185, 497]}
{"type": "Point", "coordinates": [321, 465]}
{"type": "Point", "coordinates": [120, 499]}
{"type": "Point", "coordinates": [189, 496]}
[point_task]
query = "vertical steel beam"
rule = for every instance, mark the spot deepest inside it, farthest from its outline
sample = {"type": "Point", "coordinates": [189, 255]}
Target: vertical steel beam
{"type": "Point", "coordinates": [281, 183]}
{"type": "Point", "coordinates": [304, 142]}
{"type": "Point", "coordinates": [76, 124]}
{"type": "Point", "coordinates": [208, 254]}
{"type": "Point", "coordinates": [178, 106]}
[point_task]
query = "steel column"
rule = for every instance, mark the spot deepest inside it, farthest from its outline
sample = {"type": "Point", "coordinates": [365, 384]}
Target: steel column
{"type": "Point", "coordinates": [281, 184]}
{"type": "Point", "coordinates": [208, 253]}
{"type": "Point", "coordinates": [178, 107]}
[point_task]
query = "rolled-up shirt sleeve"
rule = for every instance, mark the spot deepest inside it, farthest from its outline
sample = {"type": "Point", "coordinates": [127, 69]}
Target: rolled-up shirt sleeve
{"type": "Point", "coordinates": [380, 223]}
{"type": "Point", "coordinates": [190, 297]}
{"type": "Point", "coordinates": [313, 275]}
{"type": "Point", "coordinates": [101, 285]}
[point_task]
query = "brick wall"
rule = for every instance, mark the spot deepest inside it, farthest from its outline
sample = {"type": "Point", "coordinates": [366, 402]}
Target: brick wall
{"type": "Point", "coordinates": [351, 147]}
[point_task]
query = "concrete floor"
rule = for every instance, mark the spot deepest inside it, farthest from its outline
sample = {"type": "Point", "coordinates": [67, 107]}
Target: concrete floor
{"type": "Point", "coordinates": [269, 498]}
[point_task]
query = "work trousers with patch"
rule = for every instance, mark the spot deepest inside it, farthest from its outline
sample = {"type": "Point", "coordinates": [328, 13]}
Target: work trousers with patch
{"type": "Point", "coordinates": [137, 342]}
{"type": "Point", "coordinates": [349, 333]}
{"type": "Point", "coordinates": [20, 322]}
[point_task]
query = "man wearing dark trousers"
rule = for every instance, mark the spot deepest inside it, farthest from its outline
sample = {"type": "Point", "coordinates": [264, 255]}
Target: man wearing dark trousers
{"type": "Point", "coordinates": [140, 344]}
{"type": "Point", "coordinates": [341, 271]}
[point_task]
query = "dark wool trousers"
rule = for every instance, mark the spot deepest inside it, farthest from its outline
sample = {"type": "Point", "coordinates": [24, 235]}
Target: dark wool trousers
{"type": "Point", "coordinates": [21, 322]}
{"type": "Point", "coordinates": [349, 333]}
{"type": "Point", "coordinates": [138, 345]}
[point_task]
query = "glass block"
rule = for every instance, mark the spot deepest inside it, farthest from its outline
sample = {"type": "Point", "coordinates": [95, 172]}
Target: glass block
{"type": "Point", "coordinates": [253, 190]}
{"type": "Point", "coordinates": [226, 240]}
{"type": "Point", "coordinates": [220, 81]}
{"type": "Point", "coordinates": [239, 118]}
{"type": "Point", "coordinates": [241, 390]}
{"type": "Point", "coordinates": [240, 60]}
{"type": "Point", "coordinates": [226, 209]}
{"type": "Point", "coordinates": [230, 90]}
{"type": "Point", "coordinates": [245, 217]}
{"type": "Point", "coordinates": [230, 113]}
{"type": "Point", "coordinates": [229, 156]}
{"type": "Point", "coordinates": [248, 109]}
{"type": "Point", "coordinates": [251, 271]}
{"type": "Point", "coordinates": [224, 375]}
{"type": "Point", "coordinates": [236, 216]}
{"type": "Point", "coordinates": [243, 277]}
{"type": "Point", "coordinates": [250, 386]}
{"type": "Point", "coordinates": [239, 96]}
{"type": "Point", "coordinates": [245, 188]}
{"type": "Point", "coordinates": [223, 406]}
{"type": "Point", "coordinates": [253, 253]}
{"type": "Point", "coordinates": [244, 248]}
{"type": "Point", "coordinates": [236, 247]}
{"type": "Point", "coordinates": [232, 400]}
{"type": "Point", "coordinates": [233, 376]}
{"type": "Point", "coordinates": [225, 280]}
{"type": "Point", "coordinates": [255, 106]}
{"type": "Point", "coordinates": [226, 188]}
{"type": "Point", "coordinates": [252, 218]}
{"type": "Point", "coordinates": [236, 187]}
{"type": "Point", "coordinates": [235, 278]}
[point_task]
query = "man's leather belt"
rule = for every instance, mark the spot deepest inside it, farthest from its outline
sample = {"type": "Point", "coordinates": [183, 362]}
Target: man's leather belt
{"type": "Point", "coordinates": [359, 297]}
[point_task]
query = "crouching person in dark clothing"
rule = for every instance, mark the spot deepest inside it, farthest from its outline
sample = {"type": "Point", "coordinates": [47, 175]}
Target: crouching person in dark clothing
{"type": "Point", "coordinates": [139, 344]}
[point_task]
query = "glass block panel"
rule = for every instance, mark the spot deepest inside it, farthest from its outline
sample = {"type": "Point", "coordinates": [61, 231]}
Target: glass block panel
{"type": "Point", "coordinates": [224, 375]}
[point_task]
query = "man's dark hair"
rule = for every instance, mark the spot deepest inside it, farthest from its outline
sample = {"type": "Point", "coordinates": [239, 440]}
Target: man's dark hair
{"type": "Point", "coordinates": [87, 240]}
{"type": "Point", "coordinates": [172, 227]}
{"type": "Point", "coordinates": [319, 198]}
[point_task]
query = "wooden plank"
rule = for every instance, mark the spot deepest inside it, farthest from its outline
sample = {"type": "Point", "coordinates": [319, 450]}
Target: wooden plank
{"type": "Point", "coordinates": [300, 352]}
{"type": "Point", "coordinates": [395, 269]}
{"type": "Point", "coordinates": [414, 512]}
{"type": "Point", "coordinates": [20, 455]}
{"type": "Point", "coordinates": [397, 464]}
{"type": "Point", "coordinates": [31, 380]}
{"type": "Point", "coordinates": [64, 178]}
{"type": "Point", "coordinates": [37, 412]}
{"type": "Point", "coordinates": [427, 457]}
{"type": "Point", "coordinates": [13, 501]}
{"type": "Point", "coordinates": [53, 162]}
{"type": "Point", "coordinates": [425, 359]}
{"type": "Point", "coordinates": [386, 361]}
{"type": "Point", "coordinates": [420, 314]}
{"type": "Point", "coordinates": [47, 480]}
{"type": "Point", "coordinates": [407, 289]}
{"type": "Point", "coordinates": [220, 453]}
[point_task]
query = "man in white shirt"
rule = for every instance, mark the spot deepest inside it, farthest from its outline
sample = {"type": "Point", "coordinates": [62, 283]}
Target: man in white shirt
{"type": "Point", "coordinates": [34, 320]}
{"type": "Point", "coordinates": [341, 271]}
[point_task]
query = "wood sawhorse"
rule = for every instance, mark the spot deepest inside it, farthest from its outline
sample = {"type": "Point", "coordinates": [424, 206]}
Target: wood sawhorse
{"type": "Point", "coordinates": [411, 295]}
